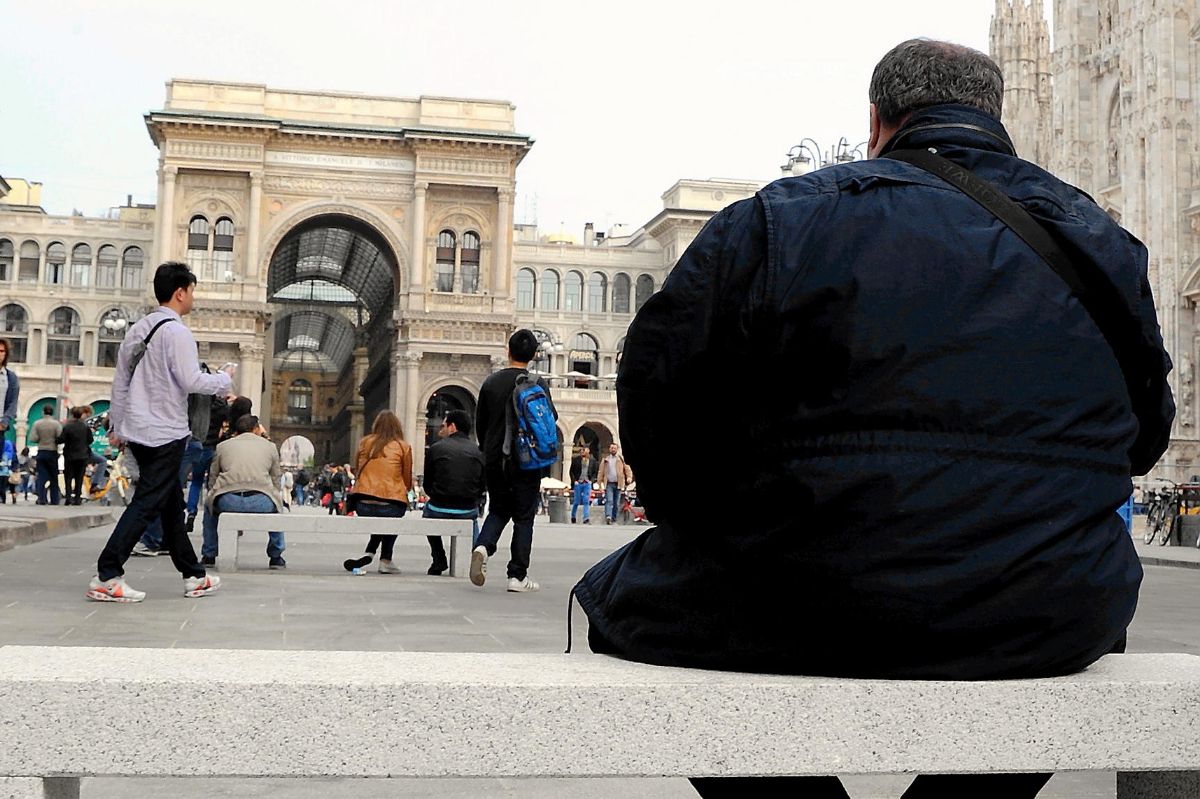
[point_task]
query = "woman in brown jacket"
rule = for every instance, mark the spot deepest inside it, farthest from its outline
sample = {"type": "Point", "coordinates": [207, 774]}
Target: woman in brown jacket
{"type": "Point", "coordinates": [384, 467]}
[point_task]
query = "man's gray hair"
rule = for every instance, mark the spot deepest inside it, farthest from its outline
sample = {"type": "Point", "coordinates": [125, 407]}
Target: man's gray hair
{"type": "Point", "coordinates": [919, 73]}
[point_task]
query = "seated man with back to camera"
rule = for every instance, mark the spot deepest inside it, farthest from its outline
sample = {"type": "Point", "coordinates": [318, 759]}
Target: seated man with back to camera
{"type": "Point", "coordinates": [454, 481]}
{"type": "Point", "coordinates": [936, 497]}
{"type": "Point", "coordinates": [242, 478]}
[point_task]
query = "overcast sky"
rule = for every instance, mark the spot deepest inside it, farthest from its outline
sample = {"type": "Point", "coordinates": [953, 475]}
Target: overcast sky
{"type": "Point", "coordinates": [623, 98]}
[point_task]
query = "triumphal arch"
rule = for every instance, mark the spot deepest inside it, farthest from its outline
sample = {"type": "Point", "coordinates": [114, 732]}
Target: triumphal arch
{"type": "Point", "coordinates": [353, 252]}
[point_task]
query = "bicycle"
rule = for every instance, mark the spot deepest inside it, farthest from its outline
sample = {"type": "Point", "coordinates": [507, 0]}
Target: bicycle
{"type": "Point", "coordinates": [1161, 515]}
{"type": "Point", "coordinates": [116, 479]}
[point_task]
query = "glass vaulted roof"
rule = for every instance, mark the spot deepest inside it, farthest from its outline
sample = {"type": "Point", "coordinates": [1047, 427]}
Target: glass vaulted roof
{"type": "Point", "coordinates": [313, 341]}
{"type": "Point", "coordinates": [333, 261]}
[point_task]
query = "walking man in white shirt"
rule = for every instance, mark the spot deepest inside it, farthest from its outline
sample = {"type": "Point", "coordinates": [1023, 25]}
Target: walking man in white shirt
{"type": "Point", "coordinates": [156, 369]}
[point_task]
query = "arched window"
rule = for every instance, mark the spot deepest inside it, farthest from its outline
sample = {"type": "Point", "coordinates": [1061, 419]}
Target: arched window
{"type": "Point", "coordinates": [131, 268]}
{"type": "Point", "coordinates": [62, 344]}
{"type": "Point", "coordinates": [197, 246]}
{"type": "Point", "coordinates": [470, 262]}
{"type": "Point", "coordinates": [81, 265]}
{"type": "Point", "coordinates": [645, 287]}
{"type": "Point", "coordinates": [30, 257]}
{"type": "Point", "coordinates": [14, 326]}
{"type": "Point", "coordinates": [584, 358]}
{"type": "Point", "coordinates": [300, 395]}
{"type": "Point", "coordinates": [525, 289]}
{"type": "Point", "coordinates": [56, 262]}
{"type": "Point", "coordinates": [597, 293]}
{"type": "Point", "coordinates": [621, 293]}
{"type": "Point", "coordinates": [549, 298]}
{"type": "Point", "coordinates": [573, 301]}
{"type": "Point", "coordinates": [222, 255]}
{"type": "Point", "coordinates": [106, 267]}
{"type": "Point", "coordinates": [7, 258]}
{"type": "Point", "coordinates": [113, 325]}
{"type": "Point", "coordinates": [443, 268]}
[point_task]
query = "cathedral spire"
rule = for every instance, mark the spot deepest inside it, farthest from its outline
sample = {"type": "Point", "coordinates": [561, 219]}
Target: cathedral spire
{"type": "Point", "coordinates": [1020, 44]}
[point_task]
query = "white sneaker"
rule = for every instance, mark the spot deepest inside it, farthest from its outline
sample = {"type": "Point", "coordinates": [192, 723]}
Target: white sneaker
{"type": "Point", "coordinates": [200, 586]}
{"type": "Point", "coordinates": [142, 551]}
{"type": "Point", "coordinates": [478, 570]}
{"type": "Point", "coordinates": [522, 586]}
{"type": "Point", "coordinates": [114, 590]}
{"type": "Point", "coordinates": [387, 567]}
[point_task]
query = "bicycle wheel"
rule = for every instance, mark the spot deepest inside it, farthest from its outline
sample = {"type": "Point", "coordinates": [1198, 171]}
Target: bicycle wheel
{"type": "Point", "coordinates": [1169, 530]}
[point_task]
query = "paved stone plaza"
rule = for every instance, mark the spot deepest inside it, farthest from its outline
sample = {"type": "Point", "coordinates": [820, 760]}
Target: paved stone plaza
{"type": "Point", "coordinates": [316, 605]}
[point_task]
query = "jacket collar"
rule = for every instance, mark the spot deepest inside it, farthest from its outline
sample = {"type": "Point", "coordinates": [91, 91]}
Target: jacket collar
{"type": "Point", "coordinates": [951, 126]}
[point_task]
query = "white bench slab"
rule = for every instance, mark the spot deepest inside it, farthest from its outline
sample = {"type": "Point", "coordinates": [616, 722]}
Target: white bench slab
{"type": "Point", "coordinates": [415, 714]}
{"type": "Point", "coordinates": [230, 524]}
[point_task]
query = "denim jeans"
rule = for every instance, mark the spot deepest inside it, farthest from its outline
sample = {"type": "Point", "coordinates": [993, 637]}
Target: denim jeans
{"type": "Point", "coordinates": [612, 500]}
{"type": "Point", "coordinates": [581, 494]}
{"type": "Point", "coordinates": [298, 492]}
{"type": "Point", "coordinates": [384, 511]}
{"type": "Point", "coordinates": [99, 471]}
{"type": "Point", "coordinates": [236, 503]}
{"type": "Point", "coordinates": [47, 474]}
{"type": "Point", "coordinates": [512, 495]}
{"type": "Point", "coordinates": [436, 547]}
{"type": "Point", "coordinates": [199, 471]}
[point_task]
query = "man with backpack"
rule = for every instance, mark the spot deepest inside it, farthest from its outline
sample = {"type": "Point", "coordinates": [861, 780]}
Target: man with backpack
{"type": "Point", "coordinates": [515, 427]}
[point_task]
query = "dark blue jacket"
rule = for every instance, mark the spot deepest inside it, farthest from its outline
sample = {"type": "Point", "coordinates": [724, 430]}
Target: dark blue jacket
{"type": "Point", "coordinates": [924, 434]}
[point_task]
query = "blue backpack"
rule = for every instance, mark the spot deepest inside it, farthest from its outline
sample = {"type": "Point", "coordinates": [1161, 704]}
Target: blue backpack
{"type": "Point", "coordinates": [534, 432]}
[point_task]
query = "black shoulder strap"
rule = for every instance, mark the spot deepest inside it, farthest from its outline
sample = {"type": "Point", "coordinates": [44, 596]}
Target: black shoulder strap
{"type": "Point", "coordinates": [153, 330]}
{"type": "Point", "coordinates": [1099, 297]}
{"type": "Point", "coordinates": [1003, 208]}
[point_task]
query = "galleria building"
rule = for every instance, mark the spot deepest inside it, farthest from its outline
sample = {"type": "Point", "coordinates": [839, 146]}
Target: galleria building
{"type": "Point", "coordinates": [359, 253]}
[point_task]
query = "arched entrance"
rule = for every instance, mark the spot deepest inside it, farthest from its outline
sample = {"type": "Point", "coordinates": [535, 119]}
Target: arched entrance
{"type": "Point", "coordinates": [594, 436]}
{"type": "Point", "coordinates": [331, 284]}
{"type": "Point", "coordinates": [446, 398]}
{"type": "Point", "coordinates": [296, 452]}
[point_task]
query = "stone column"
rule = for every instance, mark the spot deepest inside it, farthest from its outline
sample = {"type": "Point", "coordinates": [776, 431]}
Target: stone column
{"type": "Point", "coordinates": [416, 278]}
{"type": "Point", "coordinates": [501, 269]}
{"type": "Point", "coordinates": [411, 415]}
{"type": "Point", "coordinates": [250, 374]}
{"type": "Point", "coordinates": [166, 205]}
{"type": "Point", "coordinates": [357, 408]}
{"type": "Point", "coordinates": [251, 271]}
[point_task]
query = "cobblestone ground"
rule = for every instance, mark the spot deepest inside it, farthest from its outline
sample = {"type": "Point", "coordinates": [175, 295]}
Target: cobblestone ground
{"type": "Point", "coordinates": [316, 605]}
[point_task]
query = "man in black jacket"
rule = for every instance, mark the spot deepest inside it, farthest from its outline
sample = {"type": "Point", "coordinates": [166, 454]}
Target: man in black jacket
{"type": "Point", "coordinates": [936, 498]}
{"type": "Point", "coordinates": [77, 448]}
{"type": "Point", "coordinates": [454, 480]}
{"type": "Point", "coordinates": [512, 492]}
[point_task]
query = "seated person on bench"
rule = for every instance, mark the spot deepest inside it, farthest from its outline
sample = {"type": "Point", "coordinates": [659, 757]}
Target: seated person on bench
{"type": "Point", "coordinates": [454, 481]}
{"type": "Point", "coordinates": [935, 496]}
{"type": "Point", "coordinates": [242, 478]}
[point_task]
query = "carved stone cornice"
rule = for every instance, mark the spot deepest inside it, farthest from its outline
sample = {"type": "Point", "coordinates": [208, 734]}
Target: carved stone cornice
{"type": "Point", "coordinates": [205, 150]}
{"type": "Point", "coordinates": [251, 350]}
{"type": "Point", "coordinates": [313, 185]}
{"type": "Point", "coordinates": [444, 164]}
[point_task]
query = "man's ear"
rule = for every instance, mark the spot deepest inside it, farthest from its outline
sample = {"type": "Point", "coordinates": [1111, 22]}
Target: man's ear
{"type": "Point", "coordinates": [873, 142]}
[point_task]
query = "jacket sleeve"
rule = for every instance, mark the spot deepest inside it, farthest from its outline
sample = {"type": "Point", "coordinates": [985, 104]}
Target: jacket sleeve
{"type": "Point", "coordinates": [1153, 404]}
{"type": "Point", "coordinates": [482, 410]}
{"type": "Point", "coordinates": [430, 477]}
{"type": "Point", "coordinates": [214, 466]}
{"type": "Point", "coordinates": [679, 354]}
{"type": "Point", "coordinates": [10, 398]}
{"type": "Point", "coordinates": [406, 463]}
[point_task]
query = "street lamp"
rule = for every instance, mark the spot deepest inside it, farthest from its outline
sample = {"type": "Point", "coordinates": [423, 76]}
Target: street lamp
{"type": "Point", "coordinates": [115, 325]}
{"type": "Point", "coordinates": [808, 156]}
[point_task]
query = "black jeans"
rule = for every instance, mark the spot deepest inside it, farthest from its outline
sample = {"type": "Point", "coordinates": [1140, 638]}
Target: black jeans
{"type": "Point", "coordinates": [512, 496]}
{"type": "Point", "coordinates": [391, 510]}
{"type": "Point", "coordinates": [157, 494]}
{"type": "Point", "coordinates": [73, 470]}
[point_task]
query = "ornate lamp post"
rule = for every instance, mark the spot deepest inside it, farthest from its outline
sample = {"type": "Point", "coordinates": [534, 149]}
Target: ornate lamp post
{"type": "Point", "coordinates": [808, 156]}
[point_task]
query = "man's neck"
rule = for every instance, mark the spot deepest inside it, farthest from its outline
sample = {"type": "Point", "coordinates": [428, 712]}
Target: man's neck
{"type": "Point", "coordinates": [174, 307]}
{"type": "Point", "coordinates": [518, 365]}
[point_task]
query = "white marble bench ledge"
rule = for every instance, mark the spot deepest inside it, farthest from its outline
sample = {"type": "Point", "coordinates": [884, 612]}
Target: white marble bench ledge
{"type": "Point", "coordinates": [248, 713]}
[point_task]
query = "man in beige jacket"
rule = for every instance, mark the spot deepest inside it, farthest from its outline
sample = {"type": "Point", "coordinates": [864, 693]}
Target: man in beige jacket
{"type": "Point", "coordinates": [243, 478]}
{"type": "Point", "coordinates": [614, 476]}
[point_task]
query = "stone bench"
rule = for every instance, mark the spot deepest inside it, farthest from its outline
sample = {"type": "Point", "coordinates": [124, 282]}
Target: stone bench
{"type": "Point", "coordinates": [417, 714]}
{"type": "Point", "coordinates": [229, 525]}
